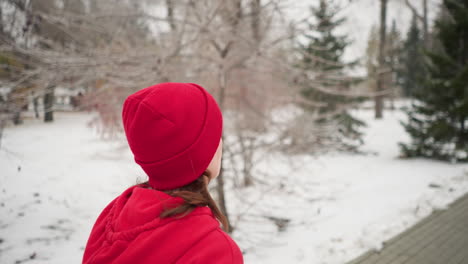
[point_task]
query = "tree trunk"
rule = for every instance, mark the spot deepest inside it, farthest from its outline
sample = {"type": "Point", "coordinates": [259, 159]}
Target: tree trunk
{"type": "Point", "coordinates": [49, 104]}
{"type": "Point", "coordinates": [2, 126]}
{"type": "Point", "coordinates": [380, 78]}
{"type": "Point", "coordinates": [462, 134]}
{"type": "Point", "coordinates": [221, 196]}
{"type": "Point", "coordinates": [220, 178]}
{"type": "Point", "coordinates": [246, 150]}
{"type": "Point", "coordinates": [1, 24]}
{"type": "Point", "coordinates": [17, 117]}
{"type": "Point", "coordinates": [425, 26]}
{"type": "Point", "coordinates": [247, 170]}
{"type": "Point", "coordinates": [392, 75]}
{"type": "Point", "coordinates": [36, 105]}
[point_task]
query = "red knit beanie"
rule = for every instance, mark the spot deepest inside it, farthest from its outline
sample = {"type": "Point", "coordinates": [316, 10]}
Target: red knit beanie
{"type": "Point", "coordinates": [173, 130]}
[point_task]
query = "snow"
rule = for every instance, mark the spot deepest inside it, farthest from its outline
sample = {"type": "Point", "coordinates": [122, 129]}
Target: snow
{"type": "Point", "coordinates": [56, 178]}
{"type": "Point", "coordinates": [350, 203]}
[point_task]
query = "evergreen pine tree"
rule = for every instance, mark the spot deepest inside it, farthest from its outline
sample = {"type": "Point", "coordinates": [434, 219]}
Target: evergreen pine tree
{"type": "Point", "coordinates": [438, 118]}
{"type": "Point", "coordinates": [412, 67]}
{"type": "Point", "coordinates": [325, 75]}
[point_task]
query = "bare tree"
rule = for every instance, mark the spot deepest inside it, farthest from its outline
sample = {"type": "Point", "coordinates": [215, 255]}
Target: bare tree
{"type": "Point", "coordinates": [234, 48]}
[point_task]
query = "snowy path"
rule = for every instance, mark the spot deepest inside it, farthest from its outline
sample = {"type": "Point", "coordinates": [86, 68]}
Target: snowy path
{"type": "Point", "coordinates": [55, 179]}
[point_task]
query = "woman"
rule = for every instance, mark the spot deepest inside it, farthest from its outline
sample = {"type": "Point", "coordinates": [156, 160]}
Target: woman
{"type": "Point", "coordinates": [174, 131]}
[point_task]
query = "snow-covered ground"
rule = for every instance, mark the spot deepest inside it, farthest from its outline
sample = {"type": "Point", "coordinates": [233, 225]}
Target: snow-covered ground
{"type": "Point", "coordinates": [56, 178]}
{"type": "Point", "coordinates": [342, 205]}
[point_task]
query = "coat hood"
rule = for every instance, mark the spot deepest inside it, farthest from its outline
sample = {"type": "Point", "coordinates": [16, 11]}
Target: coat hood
{"type": "Point", "coordinates": [139, 207]}
{"type": "Point", "coordinates": [137, 210]}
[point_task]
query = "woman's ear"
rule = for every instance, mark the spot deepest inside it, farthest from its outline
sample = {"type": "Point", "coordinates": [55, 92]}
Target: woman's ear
{"type": "Point", "coordinates": [208, 173]}
{"type": "Point", "coordinates": [206, 177]}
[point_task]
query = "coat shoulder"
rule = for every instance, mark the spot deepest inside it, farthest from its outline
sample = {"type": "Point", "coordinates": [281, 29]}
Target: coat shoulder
{"type": "Point", "coordinates": [215, 247]}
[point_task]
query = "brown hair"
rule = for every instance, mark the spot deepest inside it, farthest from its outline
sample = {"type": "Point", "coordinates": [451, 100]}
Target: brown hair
{"type": "Point", "coordinates": [194, 194]}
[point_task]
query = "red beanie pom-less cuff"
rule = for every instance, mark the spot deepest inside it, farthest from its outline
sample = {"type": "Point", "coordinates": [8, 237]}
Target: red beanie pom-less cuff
{"type": "Point", "coordinates": [173, 130]}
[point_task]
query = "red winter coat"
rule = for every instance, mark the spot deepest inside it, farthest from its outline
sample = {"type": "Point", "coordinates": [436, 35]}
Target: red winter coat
{"type": "Point", "coordinates": [130, 231]}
